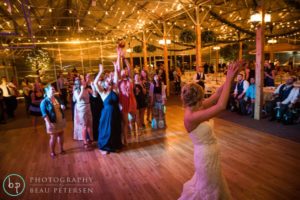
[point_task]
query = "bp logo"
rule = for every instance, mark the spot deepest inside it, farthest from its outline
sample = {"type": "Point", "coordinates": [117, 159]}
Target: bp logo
{"type": "Point", "coordinates": [13, 185]}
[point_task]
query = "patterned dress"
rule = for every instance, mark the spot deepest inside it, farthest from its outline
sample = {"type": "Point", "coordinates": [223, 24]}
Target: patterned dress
{"type": "Point", "coordinates": [82, 114]}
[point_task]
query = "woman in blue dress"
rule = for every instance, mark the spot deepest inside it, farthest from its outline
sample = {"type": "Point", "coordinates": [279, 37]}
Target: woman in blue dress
{"type": "Point", "coordinates": [109, 139]}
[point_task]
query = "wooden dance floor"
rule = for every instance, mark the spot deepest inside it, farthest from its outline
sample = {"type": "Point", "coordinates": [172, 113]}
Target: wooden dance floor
{"type": "Point", "coordinates": [256, 165]}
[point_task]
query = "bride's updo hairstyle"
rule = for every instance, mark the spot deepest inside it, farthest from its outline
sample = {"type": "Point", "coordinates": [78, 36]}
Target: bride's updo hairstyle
{"type": "Point", "coordinates": [191, 94]}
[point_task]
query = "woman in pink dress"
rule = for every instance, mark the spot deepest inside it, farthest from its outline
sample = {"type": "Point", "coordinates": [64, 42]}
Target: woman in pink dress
{"type": "Point", "coordinates": [126, 99]}
{"type": "Point", "coordinates": [207, 182]}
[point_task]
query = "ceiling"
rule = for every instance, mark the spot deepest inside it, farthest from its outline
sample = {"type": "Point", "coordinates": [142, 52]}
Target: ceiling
{"type": "Point", "coordinates": [53, 24]}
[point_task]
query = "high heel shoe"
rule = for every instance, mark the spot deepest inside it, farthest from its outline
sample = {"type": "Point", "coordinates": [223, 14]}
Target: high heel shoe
{"type": "Point", "coordinates": [86, 146]}
{"type": "Point", "coordinates": [52, 155]}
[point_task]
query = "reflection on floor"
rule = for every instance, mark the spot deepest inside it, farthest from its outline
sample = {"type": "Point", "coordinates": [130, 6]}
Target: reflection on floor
{"type": "Point", "coordinates": [154, 166]}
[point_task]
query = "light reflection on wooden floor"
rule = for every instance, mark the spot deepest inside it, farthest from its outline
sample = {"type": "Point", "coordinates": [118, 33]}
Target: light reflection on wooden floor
{"type": "Point", "coordinates": [256, 165]}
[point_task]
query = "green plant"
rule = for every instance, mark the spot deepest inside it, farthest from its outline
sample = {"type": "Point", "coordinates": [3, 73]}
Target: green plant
{"type": "Point", "coordinates": [151, 48]}
{"type": "Point", "coordinates": [137, 49]}
{"type": "Point", "coordinates": [208, 37]}
{"type": "Point", "coordinates": [187, 36]}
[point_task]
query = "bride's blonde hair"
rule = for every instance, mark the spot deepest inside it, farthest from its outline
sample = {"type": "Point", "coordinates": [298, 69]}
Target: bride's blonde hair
{"type": "Point", "coordinates": [191, 94]}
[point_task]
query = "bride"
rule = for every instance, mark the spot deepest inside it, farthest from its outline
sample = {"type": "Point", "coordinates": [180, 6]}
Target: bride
{"type": "Point", "coordinates": [207, 182]}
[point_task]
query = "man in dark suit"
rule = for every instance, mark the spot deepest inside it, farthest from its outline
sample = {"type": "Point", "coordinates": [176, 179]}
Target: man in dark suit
{"type": "Point", "coordinates": [199, 76]}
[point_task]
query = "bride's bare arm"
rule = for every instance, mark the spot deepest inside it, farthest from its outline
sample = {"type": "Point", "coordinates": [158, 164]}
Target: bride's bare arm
{"type": "Point", "coordinates": [192, 119]}
{"type": "Point", "coordinates": [213, 99]}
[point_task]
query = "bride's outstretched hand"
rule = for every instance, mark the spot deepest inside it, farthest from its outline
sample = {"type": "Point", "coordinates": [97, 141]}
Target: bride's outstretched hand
{"type": "Point", "coordinates": [233, 68]}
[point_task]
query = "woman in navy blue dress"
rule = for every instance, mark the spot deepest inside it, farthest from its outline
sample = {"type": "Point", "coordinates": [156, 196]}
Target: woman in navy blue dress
{"type": "Point", "coordinates": [109, 139]}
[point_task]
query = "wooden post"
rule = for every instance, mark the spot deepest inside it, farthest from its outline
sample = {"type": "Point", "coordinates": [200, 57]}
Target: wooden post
{"type": "Point", "coordinates": [166, 59]}
{"type": "Point", "coordinates": [15, 70]}
{"type": "Point", "coordinates": [81, 57]}
{"type": "Point", "coordinates": [210, 60]}
{"type": "Point", "coordinates": [60, 61]}
{"type": "Point", "coordinates": [217, 60]}
{"type": "Point", "coordinates": [241, 51]}
{"type": "Point", "coordinates": [54, 68]}
{"type": "Point", "coordinates": [131, 59]}
{"type": "Point", "coordinates": [101, 52]}
{"type": "Point", "coordinates": [271, 55]}
{"type": "Point", "coordinates": [145, 51]}
{"type": "Point", "coordinates": [198, 37]}
{"type": "Point", "coordinates": [259, 70]}
{"type": "Point", "coordinates": [141, 62]}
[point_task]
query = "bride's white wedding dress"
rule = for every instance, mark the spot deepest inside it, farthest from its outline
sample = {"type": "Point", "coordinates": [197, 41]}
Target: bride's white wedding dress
{"type": "Point", "coordinates": [207, 182]}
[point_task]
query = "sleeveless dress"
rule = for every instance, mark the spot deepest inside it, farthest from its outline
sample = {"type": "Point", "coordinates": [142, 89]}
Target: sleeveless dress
{"type": "Point", "coordinates": [109, 138]}
{"type": "Point", "coordinates": [82, 114]}
{"type": "Point", "coordinates": [207, 182]}
{"type": "Point", "coordinates": [34, 107]}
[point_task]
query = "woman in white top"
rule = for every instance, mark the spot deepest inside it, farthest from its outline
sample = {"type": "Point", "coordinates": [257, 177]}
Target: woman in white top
{"type": "Point", "coordinates": [83, 121]}
{"type": "Point", "coordinates": [208, 181]}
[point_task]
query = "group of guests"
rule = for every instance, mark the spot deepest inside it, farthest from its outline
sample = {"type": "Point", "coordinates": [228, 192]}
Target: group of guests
{"type": "Point", "coordinates": [285, 97]}
{"type": "Point", "coordinates": [107, 108]}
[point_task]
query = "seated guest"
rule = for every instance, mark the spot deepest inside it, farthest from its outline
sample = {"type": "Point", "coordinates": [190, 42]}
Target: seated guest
{"type": "Point", "coordinates": [249, 99]}
{"type": "Point", "coordinates": [199, 76]}
{"type": "Point", "coordinates": [238, 94]}
{"type": "Point", "coordinates": [282, 97]}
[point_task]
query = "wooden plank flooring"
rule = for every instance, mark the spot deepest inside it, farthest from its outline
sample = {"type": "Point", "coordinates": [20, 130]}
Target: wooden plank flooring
{"type": "Point", "coordinates": [256, 165]}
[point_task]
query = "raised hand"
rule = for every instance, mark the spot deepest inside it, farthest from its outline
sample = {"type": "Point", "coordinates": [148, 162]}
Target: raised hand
{"type": "Point", "coordinates": [233, 68]}
{"type": "Point", "coordinates": [100, 68]}
{"type": "Point", "coordinates": [115, 65]}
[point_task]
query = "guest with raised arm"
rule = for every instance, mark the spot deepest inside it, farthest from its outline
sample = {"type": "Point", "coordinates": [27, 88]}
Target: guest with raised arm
{"type": "Point", "coordinates": [83, 124]}
{"type": "Point", "coordinates": [109, 139]}
{"type": "Point", "coordinates": [96, 105]}
{"type": "Point", "coordinates": [127, 99]}
{"type": "Point", "coordinates": [208, 181]}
